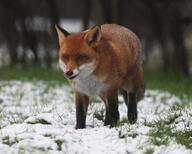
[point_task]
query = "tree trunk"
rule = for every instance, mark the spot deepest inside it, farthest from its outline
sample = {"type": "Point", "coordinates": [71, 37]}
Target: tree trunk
{"type": "Point", "coordinates": [120, 11]}
{"type": "Point", "coordinates": [108, 11]}
{"type": "Point", "coordinates": [180, 52]}
{"type": "Point", "coordinates": [86, 14]}
{"type": "Point", "coordinates": [12, 46]}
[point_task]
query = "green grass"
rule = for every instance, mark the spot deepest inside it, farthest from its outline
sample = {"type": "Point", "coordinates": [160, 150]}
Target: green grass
{"type": "Point", "coordinates": [184, 138]}
{"type": "Point", "coordinates": [149, 151]}
{"type": "Point", "coordinates": [59, 144]}
{"type": "Point", "coordinates": [160, 135]}
{"type": "Point", "coordinates": [19, 72]}
{"type": "Point", "coordinates": [174, 83]}
{"type": "Point", "coordinates": [1, 101]}
{"type": "Point", "coordinates": [6, 140]}
{"type": "Point", "coordinates": [162, 132]}
{"type": "Point", "coordinates": [124, 135]}
{"type": "Point", "coordinates": [100, 115]}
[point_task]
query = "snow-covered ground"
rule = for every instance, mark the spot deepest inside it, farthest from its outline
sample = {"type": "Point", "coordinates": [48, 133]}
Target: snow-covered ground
{"type": "Point", "coordinates": [39, 117]}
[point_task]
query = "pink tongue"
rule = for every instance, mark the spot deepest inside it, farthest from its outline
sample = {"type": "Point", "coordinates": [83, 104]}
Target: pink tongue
{"type": "Point", "coordinates": [66, 76]}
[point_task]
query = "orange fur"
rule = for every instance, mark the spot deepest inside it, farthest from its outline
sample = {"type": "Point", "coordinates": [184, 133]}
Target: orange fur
{"type": "Point", "coordinates": [116, 51]}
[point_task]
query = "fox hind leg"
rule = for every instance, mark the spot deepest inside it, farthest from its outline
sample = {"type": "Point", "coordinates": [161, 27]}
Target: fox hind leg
{"type": "Point", "coordinates": [131, 103]}
{"type": "Point", "coordinates": [132, 108]}
{"type": "Point", "coordinates": [125, 95]}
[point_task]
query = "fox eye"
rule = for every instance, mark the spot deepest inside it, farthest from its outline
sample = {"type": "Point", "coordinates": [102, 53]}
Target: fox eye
{"type": "Point", "coordinates": [65, 57]}
{"type": "Point", "coordinates": [82, 58]}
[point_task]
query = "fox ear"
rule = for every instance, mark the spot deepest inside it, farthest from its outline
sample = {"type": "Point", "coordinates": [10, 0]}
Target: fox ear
{"type": "Point", "coordinates": [93, 36]}
{"type": "Point", "coordinates": [62, 34]}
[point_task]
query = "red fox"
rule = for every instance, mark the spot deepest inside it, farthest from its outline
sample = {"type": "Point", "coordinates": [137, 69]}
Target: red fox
{"type": "Point", "coordinates": [99, 62]}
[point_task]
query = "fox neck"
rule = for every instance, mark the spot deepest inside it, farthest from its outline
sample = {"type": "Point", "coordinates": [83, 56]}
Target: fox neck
{"type": "Point", "coordinates": [89, 85]}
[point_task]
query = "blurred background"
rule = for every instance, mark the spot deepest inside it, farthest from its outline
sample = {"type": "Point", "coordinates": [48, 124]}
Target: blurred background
{"type": "Point", "coordinates": [28, 36]}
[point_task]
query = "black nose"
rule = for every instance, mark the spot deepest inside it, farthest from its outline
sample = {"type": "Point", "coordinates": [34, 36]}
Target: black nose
{"type": "Point", "coordinates": [70, 73]}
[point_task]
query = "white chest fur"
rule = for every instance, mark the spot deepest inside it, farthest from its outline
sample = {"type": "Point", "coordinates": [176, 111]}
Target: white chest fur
{"type": "Point", "coordinates": [90, 85]}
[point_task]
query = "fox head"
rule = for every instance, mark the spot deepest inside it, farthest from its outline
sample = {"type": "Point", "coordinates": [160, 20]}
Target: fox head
{"type": "Point", "coordinates": [77, 55]}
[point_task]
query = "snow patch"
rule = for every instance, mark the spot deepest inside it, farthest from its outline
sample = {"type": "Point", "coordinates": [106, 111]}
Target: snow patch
{"type": "Point", "coordinates": [41, 119]}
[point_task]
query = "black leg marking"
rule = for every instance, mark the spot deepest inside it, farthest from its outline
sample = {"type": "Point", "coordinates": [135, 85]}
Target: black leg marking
{"type": "Point", "coordinates": [112, 113]}
{"type": "Point", "coordinates": [80, 116]}
{"type": "Point", "coordinates": [111, 116]}
{"type": "Point", "coordinates": [132, 108]}
{"type": "Point", "coordinates": [107, 121]}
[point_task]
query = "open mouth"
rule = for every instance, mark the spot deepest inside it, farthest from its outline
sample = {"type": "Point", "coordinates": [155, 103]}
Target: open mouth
{"type": "Point", "coordinates": [73, 77]}
{"type": "Point", "coordinates": [70, 77]}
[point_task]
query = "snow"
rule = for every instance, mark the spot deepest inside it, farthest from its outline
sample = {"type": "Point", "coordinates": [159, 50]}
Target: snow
{"type": "Point", "coordinates": [24, 104]}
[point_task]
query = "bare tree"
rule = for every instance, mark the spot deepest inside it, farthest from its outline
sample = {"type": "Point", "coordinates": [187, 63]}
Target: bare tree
{"type": "Point", "coordinates": [86, 13]}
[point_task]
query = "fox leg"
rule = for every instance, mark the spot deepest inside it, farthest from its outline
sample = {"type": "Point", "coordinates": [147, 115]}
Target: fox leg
{"type": "Point", "coordinates": [111, 104]}
{"type": "Point", "coordinates": [125, 95]}
{"type": "Point", "coordinates": [82, 102]}
{"type": "Point", "coordinates": [132, 108]}
{"type": "Point", "coordinates": [135, 95]}
{"type": "Point", "coordinates": [106, 122]}
{"type": "Point", "coordinates": [131, 102]}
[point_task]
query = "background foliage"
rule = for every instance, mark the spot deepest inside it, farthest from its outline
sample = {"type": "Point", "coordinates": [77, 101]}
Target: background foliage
{"type": "Point", "coordinates": [27, 28]}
